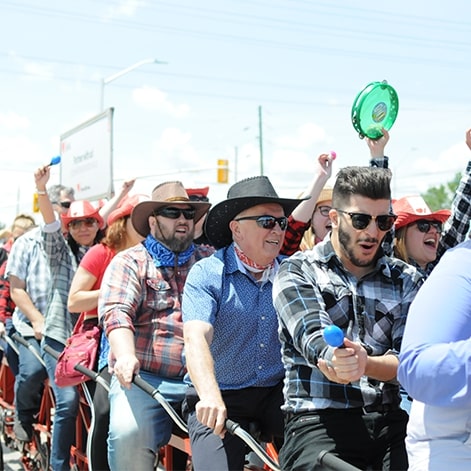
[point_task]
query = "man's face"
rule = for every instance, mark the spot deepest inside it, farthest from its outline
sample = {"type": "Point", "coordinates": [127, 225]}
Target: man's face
{"type": "Point", "coordinates": [259, 244]}
{"type": "Point", "coordinates": [175, 233]}
{"type": "Point", "coordinates": [62, 206]}
{"type": "Point", "coordinates": [357, 248]}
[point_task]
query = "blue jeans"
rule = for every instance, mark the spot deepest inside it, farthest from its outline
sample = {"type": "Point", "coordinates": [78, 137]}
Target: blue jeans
{"type": "Point", "coordinates": [139, 425]}
{"type": "Point", "coordinates": [29, 382]}
{"type": "Point", "coordinates": [67, 401]}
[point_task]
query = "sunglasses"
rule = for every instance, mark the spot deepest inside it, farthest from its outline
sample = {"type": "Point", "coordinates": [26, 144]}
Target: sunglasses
{"type": "Point", "coordinates": [361, 221]}
{"type": "Point", "coordinates": [175, 213]}
{"type": "Point", "coordinates": [267, 222]}
{"type": "Point", "coordinates": [63, 204]}
{"type": "Point", "coordinates": [87, 222]}
{"type": "Point", "coordinates": [324, 210]}
{"type": "Point", "coordinates": [205, 199]}
{"type": "Point", "coordinates": [424, 226]}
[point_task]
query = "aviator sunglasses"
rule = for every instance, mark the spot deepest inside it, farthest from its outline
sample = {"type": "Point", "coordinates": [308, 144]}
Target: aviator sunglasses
{"type": "Point", "coordinates": [424, 226]}
{"type": "Point", "coordinates": [267, 222]}
{"type": "Point", "coordinates": [88, 222]}
{"type": "Point", "coordinates": [175, 213]}
{"type": "Point", "coordinates": [361, 221]}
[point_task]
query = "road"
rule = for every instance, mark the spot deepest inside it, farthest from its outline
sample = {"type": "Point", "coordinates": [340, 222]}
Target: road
{"type": "Point", "coordinates": [11, 459]}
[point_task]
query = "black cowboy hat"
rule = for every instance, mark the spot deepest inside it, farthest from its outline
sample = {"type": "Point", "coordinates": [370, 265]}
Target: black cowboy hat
{"type": "Point", "coordinates": [242, 195]}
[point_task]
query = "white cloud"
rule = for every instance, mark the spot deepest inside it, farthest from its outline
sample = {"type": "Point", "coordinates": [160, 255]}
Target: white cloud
{"type": "Point", "coordinates": [305, 136]}
{"type": "Point", "coordinates": [154, 99]}
{"type": "Point", "coordinates": [37, 70]}
{"type": "Point", "coordinates": [127, 8]}
{"type": "Point", "coordinates": [13, 122]}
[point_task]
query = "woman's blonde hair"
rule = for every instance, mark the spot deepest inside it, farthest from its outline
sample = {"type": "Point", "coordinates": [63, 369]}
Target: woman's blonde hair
{"type": "Point", "coordinates": [399, 249]}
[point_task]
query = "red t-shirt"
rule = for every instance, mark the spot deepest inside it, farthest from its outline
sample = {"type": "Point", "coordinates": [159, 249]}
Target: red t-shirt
{"type": "Point", "coordinates": [95, 262]}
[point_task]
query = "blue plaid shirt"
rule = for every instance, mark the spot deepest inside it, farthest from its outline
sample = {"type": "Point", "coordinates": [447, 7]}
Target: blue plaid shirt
{"type": "Point", "coordinates": [28, 262]}
{"type": "Point", "coordinates": [312, 290]}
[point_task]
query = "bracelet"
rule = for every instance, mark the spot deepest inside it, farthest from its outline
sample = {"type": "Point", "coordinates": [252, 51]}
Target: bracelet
{"type": "Point", "coordinates": [41, 192]}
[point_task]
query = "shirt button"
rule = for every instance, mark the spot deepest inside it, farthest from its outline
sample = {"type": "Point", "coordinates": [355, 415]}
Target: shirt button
{"type": "Point", "coordinates": [262, 345]}
{"type": "Point", "coordinates": [260, 367]}
{"type": "Point", "coordinates": [263, 318]}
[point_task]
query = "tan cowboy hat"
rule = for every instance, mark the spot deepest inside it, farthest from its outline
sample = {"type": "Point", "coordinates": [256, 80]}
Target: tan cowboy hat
{"type": "Point", "coordinates": [163, 195]}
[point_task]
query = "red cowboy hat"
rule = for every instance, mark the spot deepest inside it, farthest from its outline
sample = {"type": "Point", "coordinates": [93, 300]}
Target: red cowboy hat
{"type": "Point", "coordinates": [413, 208]}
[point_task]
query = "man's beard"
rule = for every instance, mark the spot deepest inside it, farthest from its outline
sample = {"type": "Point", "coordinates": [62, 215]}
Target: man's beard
{"type": "Point", "coordinates": [345, 242]}
{"type": "Point", "coordinates": [175, 244]}
{"type": "Point", "coordinates": [178, 245]}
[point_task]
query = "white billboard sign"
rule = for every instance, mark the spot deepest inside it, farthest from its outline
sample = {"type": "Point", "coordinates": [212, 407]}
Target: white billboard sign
{"type": "Point", "coordinates": [87, 158]}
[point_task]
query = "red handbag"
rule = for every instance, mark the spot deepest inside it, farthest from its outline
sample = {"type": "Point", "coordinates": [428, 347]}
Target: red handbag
{"type": "Point", "coordinates": [81, 348]}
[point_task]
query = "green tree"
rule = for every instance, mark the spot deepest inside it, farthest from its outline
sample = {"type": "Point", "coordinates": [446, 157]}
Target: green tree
{"type": "Point", "coordinates": [440, 197]}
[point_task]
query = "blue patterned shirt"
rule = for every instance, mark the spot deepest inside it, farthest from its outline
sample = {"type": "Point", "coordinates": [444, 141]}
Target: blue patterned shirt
{"type": "Point", "coordinates": [312, 290]}
{"type": "Point", "coordinates": [245, 346]}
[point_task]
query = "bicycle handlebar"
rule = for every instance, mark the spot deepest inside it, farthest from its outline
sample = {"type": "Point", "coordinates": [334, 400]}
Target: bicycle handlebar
{"type": "Point", "coordinates": [154, 392]}
{"type": "Point", "coordinates": [334, 463]}
{"type": "Point", "coordinates": [235, 429]}
{"type": "Point", "coordinates": [232, 427]}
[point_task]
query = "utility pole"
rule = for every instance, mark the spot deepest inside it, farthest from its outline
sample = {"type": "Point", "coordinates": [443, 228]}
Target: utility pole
{"type": "Point", "coordinates": [260, 138]}
{"type": "Point", "coordinates": [236, 162]}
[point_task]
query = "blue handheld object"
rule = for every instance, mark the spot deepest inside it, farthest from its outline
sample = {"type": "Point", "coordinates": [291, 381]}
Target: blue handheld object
{"type": "Point", "coordinates": [55, 160]}
{"type": "Point", "coordinates": [333, 335]}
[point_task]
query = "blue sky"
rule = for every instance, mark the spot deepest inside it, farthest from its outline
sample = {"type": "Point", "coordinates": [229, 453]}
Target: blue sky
{"type": "Point", "coordinates": [300, 62]}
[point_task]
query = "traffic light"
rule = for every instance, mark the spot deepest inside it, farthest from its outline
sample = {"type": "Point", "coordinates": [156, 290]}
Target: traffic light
{"type": "Point", "coordinates": [223, 171]}
{"type": "Point", "coordinates": [35, 203]}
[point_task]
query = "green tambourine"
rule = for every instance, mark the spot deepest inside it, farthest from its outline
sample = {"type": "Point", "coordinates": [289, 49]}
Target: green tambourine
{"type": "Point", "coordinates": [374, 108]}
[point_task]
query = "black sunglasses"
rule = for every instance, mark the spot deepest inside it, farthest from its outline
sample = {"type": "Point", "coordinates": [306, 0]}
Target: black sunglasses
{"type": "Point", "coordinates": [205, 199]}
{"type": "Point", "coordinates": [267, 222]}
{"type": "Point", "coordinates": [175, 213]}
{"type": "Point", "coordinates": [424, 226]}
{"type": "Point", "coordinates": [361, 221]}
{"type": "Point", "coordinates": [64, 204]}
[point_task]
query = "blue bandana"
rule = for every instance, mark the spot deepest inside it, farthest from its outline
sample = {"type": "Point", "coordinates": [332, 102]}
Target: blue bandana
{"type": "Point", "coordinates": [164, 257]}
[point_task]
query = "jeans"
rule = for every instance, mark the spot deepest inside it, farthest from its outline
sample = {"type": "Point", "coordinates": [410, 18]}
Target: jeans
{"type": "Point", "coordinates": [29, 382]}
{"type": "Point", "coordinates": [67, 401]}
{"type": "Point", "coordinates": [139, 425]}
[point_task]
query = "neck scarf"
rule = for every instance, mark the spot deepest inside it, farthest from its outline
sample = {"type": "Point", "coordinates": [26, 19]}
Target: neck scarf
{"type": "Point", "coordinates": [164, 257]}
{"type": "Point", "coordinates": [254, 267]}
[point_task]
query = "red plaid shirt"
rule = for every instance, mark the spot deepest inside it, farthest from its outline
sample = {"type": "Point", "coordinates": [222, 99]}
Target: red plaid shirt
{"type": "Point", "coordinates": [293, 236]}
{"type": "Point", "coordinates": [135, 294]}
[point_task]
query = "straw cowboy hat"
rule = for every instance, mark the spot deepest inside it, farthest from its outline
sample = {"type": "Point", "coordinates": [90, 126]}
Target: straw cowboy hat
{"type": "Point", "coordinates": [164, 195]}
{"type": "Point", "coordinates": [80, 210]}
{"type": "Point", "coordinates": [413, 208]}
{"type": "Point", "coordinates": [241, 196]}
{"type": "Point", "coordinates": [326, 195]}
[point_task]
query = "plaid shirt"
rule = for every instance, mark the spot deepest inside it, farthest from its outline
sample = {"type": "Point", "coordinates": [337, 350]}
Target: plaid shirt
{"type": "Point", "coordinates": [28, 262]}
{"type": "Point", "coordinates": [312, 290]}
{"type": "Point", "coordinates": [62, 264]}
{"type": "Point", "coordinates": [293, 236]}
{"type": "Point", "coordinates": [457, 226]}
{"type": "Point", "coordinates": [137, 295]}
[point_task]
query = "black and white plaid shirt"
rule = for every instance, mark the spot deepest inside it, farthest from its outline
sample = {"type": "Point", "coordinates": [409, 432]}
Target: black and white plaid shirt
{"type": "Point", "coordinates": [312, 290]}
